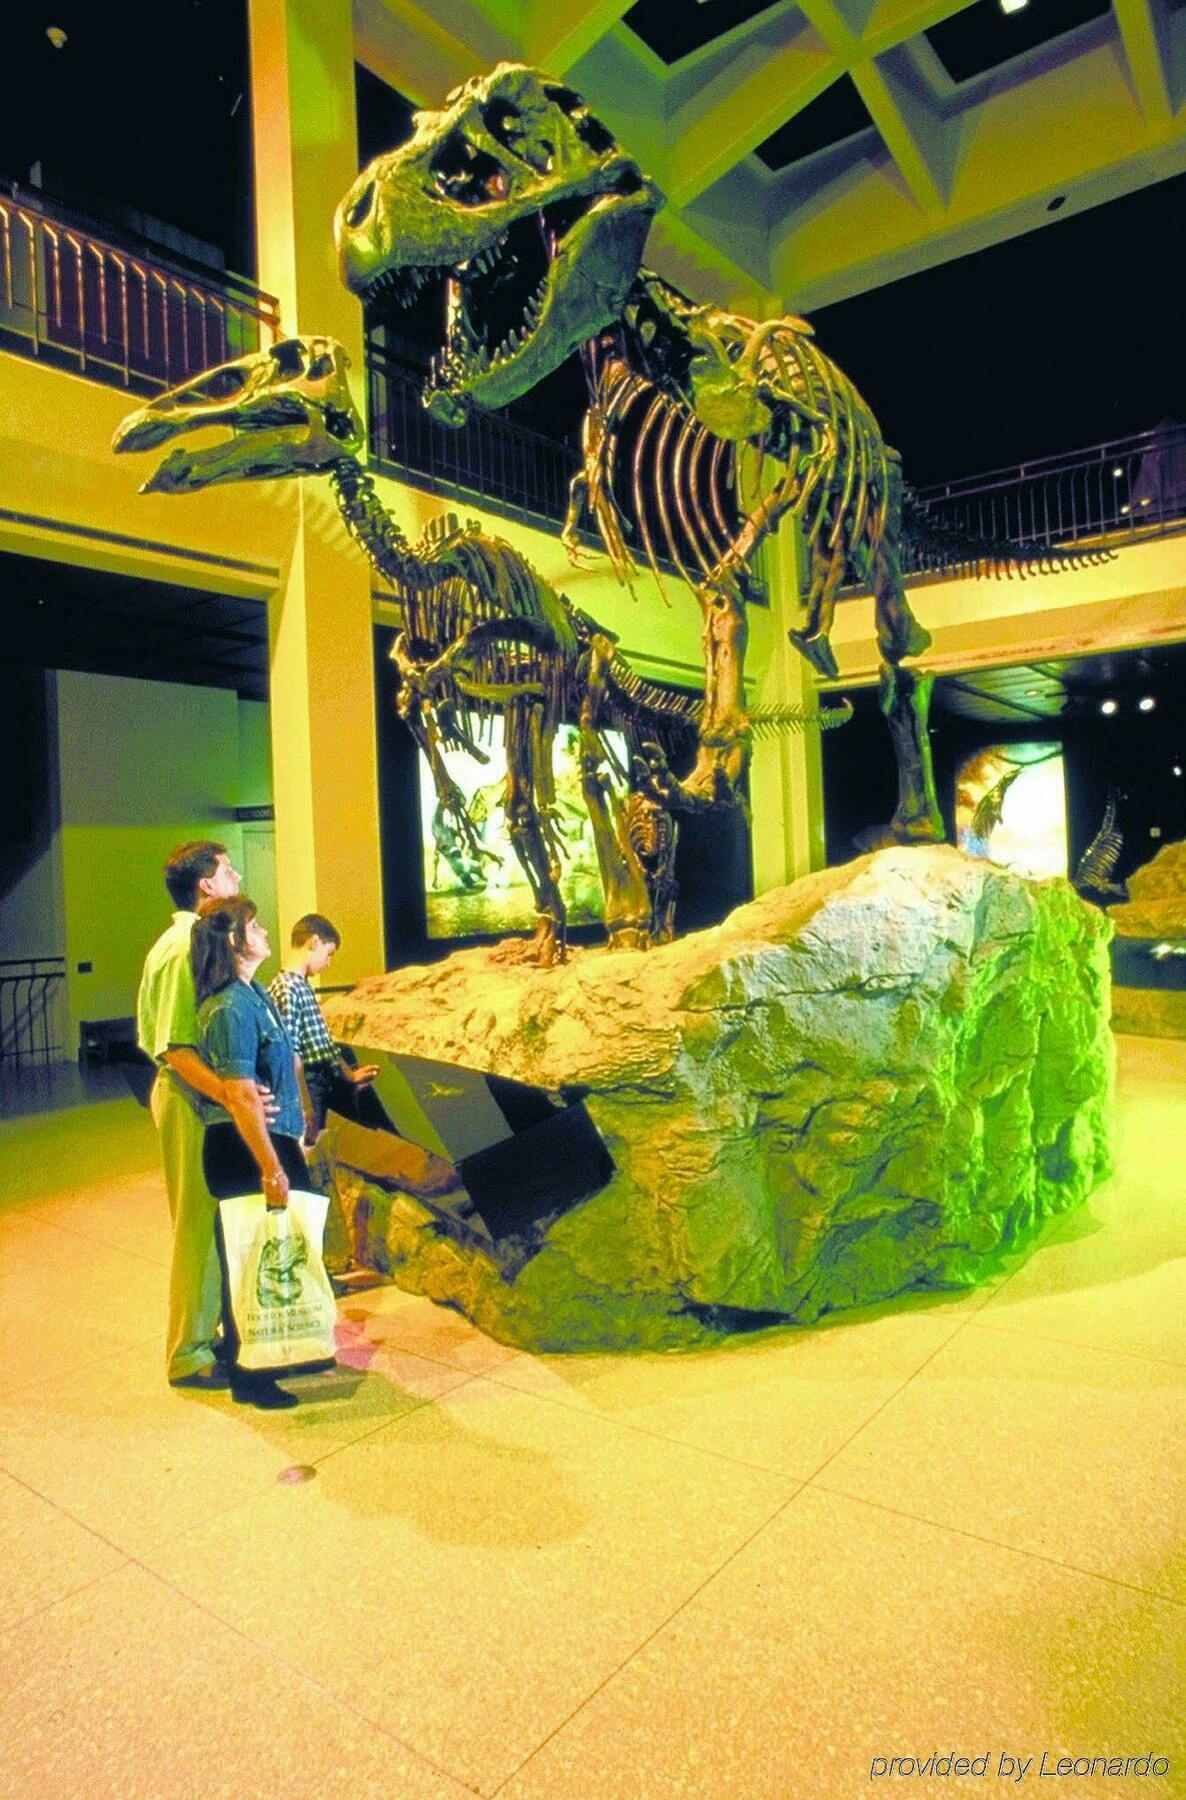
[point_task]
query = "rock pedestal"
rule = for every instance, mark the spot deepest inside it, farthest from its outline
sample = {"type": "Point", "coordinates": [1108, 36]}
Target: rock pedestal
{"type": "Point", "coordinates": [1155, 912]}
{"type": "Point", "coordinates": [870, 1081]}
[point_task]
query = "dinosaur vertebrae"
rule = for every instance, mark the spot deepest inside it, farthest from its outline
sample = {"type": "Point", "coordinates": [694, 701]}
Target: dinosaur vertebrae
{"type": "Point", "coordinates": [511, 632]}
{"type": "Point", "coordinates": [934, 546]}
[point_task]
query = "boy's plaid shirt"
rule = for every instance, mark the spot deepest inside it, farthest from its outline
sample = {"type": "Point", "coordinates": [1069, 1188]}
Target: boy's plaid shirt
{"type": "Point", "coordinates": [298, 1008]}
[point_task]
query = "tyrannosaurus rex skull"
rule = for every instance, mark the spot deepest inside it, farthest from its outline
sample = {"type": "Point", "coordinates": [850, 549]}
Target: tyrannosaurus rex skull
{"type": "Point", "coordinates": [530, 208]}
{"type": "Point", "coordinates": [289, 410]}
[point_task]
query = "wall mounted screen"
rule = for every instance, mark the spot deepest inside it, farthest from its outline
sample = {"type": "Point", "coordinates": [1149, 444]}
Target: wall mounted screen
{"type": "Point", "coordinates": [1010, 806]}
{"type": "Point", "coordinates": [467, 896]}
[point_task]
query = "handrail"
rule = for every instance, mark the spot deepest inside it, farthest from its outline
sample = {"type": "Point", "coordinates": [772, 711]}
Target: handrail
{"type": "Point", "coordinates": [29, 990]}
{"type": "Point", "coordinates": [135, 316]}
{"type": "Point", "coordinates": [1125, 487]}
{"type": "Point", "coordinates": [493, 461]}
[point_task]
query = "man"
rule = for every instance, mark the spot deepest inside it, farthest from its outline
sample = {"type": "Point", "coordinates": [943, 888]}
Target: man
{"type": "Point", "coordinates": [167, 1030]}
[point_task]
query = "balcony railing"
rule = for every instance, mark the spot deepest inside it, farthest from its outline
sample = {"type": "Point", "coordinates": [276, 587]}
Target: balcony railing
{"type": "Point", "coordinates": [31, 988]}
{"type": "Point", "coordinates": [1126, 489]}
{"type": "Point", "coordinates": [489, 460]}
{"type": "Point", "coordinates": [131, 316]}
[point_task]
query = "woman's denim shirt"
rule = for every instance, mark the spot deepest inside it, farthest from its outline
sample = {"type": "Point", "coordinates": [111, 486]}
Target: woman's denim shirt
{"type": "Point", "coordinates": [243, 1038]}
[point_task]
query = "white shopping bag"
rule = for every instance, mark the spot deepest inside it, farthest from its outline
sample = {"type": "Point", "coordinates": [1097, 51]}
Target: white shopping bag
{"type": "Point", "coordinates": [281, 1297]}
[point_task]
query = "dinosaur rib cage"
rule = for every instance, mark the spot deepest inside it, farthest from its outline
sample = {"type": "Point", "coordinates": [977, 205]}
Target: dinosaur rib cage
{"type": "Point", "coordinates": [703, 503]}
{"type": "Point", "coordinates": [675, 489]}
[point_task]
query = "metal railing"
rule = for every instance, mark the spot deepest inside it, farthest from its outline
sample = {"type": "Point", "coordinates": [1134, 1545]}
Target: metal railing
{"type": "Point", "coordinates": [492, 461]}
{"type": "Point", "coordinates": [30, 1016]}
{"type": "Point", "coordinates": [74, 295]}
{"type": "Point", "coordinates": [1128, 488]}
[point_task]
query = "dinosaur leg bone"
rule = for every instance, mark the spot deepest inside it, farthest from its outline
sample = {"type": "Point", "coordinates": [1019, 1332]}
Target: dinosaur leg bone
{"type": "Point", "coordinates": [628, 906]}
{"type": "Point", "coordinates": [827, 572]}
{"type": "Point", "coordinates": [723, 753]}
{"type": "Point", "coordinates": [529, 814]}
{"type": "Point", "coordinates": [905, 700]}
{"type": "Point", "coordinates": [418, 711]}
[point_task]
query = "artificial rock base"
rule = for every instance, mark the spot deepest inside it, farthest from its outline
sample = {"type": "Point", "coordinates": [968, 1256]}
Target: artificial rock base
{"type": "Point", "coordinates": [1155, 911]}
{"type": "Point", "coordinates": [870, 1081]}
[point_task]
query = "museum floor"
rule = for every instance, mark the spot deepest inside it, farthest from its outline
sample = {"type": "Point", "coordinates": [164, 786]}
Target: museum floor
{"type": "Point", "coordinates": [951, 1525]}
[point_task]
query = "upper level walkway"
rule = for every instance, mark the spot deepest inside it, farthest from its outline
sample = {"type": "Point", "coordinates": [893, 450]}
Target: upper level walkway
{"type": "Point", "coordinates": [79, 300]}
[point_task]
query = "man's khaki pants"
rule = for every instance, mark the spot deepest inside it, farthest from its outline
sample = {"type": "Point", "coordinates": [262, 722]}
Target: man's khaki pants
{"type": "Point", "coordinates": [195, 1282]}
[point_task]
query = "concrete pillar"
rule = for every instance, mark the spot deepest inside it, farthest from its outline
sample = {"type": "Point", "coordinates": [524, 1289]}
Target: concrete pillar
{"type": "Point", "coordinates": [786, 785]}
{"type": "Point", "coordinates": [322, 688]}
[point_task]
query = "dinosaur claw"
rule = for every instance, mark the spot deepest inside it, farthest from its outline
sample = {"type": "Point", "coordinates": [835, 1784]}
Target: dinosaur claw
{"type": "Point", "coordinates": [818, 652]}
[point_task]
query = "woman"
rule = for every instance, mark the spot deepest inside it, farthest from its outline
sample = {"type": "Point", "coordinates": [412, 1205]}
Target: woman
{"type": "Point", "coordinates": [244, 1041]}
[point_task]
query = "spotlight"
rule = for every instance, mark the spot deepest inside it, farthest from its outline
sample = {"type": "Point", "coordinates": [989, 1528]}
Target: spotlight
{"type": "Point", "coordinates": [1146, 703]}
{"type": "Point", "coordinates": [1117, 473]}
{"type": "Point", "coordinates": [56, 36]}
{"type": "Point", "coordinates": [1177, 769]}
{"type": "Point", "coordinates": [1011, 6]}
{"type": "Point", "coordinates": [1108, 707]}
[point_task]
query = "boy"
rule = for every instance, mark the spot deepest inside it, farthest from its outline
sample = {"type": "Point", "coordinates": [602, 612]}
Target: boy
{"type": "Point", "coordinates": [314, 943]}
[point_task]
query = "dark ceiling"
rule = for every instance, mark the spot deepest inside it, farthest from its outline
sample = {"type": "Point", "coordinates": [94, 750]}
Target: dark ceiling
{"type": "Point", "coordinates": [675, 30]}
{"type": "Point", "coordinates": [836, 114]}
{"type": "Point", "coordinates": [144, 110]}
{"type": "Point", "coordinates": [969, 43]}
{"type": "Point", "coordinates": [1054, 341]}
{"type": "Point", "coordinates": [1071, 688]}
{"type": "Point", "coordinates": [60, 617]}
{"type": "Point", "coordinates": [984, 37]}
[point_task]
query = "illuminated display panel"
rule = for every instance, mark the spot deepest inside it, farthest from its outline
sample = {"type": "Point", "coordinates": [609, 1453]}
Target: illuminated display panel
{"type": "Point", "coordinates": [467, 897]}
{"type": "Point", "coordinates": [1010, 806]}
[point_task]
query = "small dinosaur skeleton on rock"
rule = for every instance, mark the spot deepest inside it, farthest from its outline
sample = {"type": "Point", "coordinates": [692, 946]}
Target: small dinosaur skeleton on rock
{"type": "Point", "coordinates": [483, 636]}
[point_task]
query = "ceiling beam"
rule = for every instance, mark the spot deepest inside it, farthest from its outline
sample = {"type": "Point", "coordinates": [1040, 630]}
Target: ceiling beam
{"type": "Point", "coordinates": [911, 131]}
{"type": "Point", "coordinates": [833, 27]}
{"type": "Point", "coordinates": [1144, 32]}
{"type": "Point", "coordinates": [557, 33]}
{"type": "Point", "coordinates": [406, 46]}
{"type": "Point", "coordinates": [1073, 132]}
{"type": "Point", "coordinates": [730, 117]}
{"type": "Point", "coordinates": [893, 22]}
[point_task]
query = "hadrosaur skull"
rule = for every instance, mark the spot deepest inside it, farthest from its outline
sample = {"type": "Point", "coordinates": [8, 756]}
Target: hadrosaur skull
{"type": "Point", "coordinates": [288, 409]}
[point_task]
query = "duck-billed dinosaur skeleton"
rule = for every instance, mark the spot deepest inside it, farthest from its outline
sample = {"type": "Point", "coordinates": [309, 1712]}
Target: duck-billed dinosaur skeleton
{"type": "Point", "coordinates": [483, 636]}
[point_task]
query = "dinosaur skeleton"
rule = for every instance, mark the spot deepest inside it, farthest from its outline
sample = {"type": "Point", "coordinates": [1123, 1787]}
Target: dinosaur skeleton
{"type": "Point", "coordinates": [704, 430]}
{"type": "Point", "coordinates": [1097, 865]}
{"type": "Point", "coordinates": [483, 636]}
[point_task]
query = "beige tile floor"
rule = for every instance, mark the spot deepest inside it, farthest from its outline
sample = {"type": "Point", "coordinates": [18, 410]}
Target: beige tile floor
{"type": "Point", "coordinates": [950, 1525]}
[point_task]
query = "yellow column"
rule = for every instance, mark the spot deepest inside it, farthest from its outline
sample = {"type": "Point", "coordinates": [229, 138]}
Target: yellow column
{"type": "Point", "coordinates": [786, 784]}
{"type": "Point", "coordinates": [322, 686]}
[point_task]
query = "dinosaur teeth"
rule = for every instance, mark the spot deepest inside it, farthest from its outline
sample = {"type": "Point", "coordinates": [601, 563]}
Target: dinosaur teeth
{"type": "Point", "coordinates": [452, 306]}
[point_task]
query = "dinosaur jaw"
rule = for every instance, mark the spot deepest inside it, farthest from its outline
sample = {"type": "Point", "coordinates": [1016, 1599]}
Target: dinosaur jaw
{"type": "Point", "coordinates": [549, 282]}
{"type": "Point", "coordinates": [254, 455]}
{"type": "Point", "coordinates": [287, 410]}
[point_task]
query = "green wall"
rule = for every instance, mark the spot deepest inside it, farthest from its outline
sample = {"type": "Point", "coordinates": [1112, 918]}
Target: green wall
{"type": "Point", "coordinates": [143, 766]}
